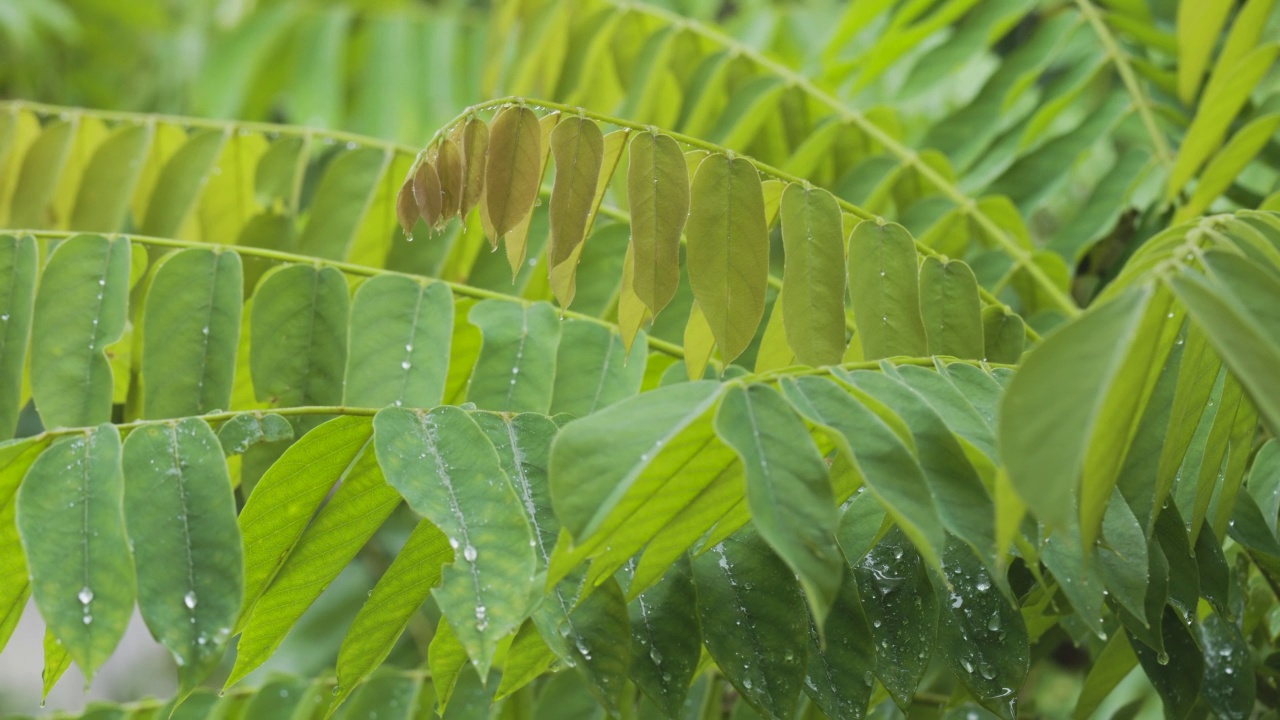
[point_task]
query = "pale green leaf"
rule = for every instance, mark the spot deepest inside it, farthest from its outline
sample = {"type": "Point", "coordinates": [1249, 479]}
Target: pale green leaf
{"type": "Point", "coordinates": [884, 290]}
{"type": "Point", "coordinates": [814, 275]}
{"type": "Point", "coordinates": [399, 343]}
{"type": "Point", "coordinates": [658, 193]}
{"type": "Point", "coordinates": [18, 271]}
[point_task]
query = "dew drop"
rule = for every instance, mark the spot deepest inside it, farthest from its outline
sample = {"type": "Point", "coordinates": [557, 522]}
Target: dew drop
{"type": "Point", "coordinates": [469, 553]}
{"type": "Point", "coordinates": [404, 365]}
{"type": "Point", "coordinates": [1163, 658]}
{"type": "Point", "coordinates": [88, 619]}
{"type": "Point", "coordinates": [85, 595]}
{"type": "Point", "coordinates": [189, 600]}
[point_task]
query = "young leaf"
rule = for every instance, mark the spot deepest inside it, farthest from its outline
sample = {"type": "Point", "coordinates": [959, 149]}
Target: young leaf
{"type": "Point", "coordinates": [513, 168]}
{"type": "Point", "coordinates": [951, 309]}
{"type": "Point", "coordinates": [884, 288]}
{"type": "Point", "coordinates": [517, 365]}
{"type": "Point", "coordinates": [72, 526]}
{"type": "Point", "coordinates": [577, 145]}
{"type": "Point", "coordinates": [190, 331]}
{"type": "Point", "coordinates": [728, 250]}
{"type": "Point", "coordinates": [814, 276]}
{"type": "Point", "coordinates": [19, 258]}
{"type": "Point", "coordinates": [446, 469]}
{"type": "Point", "coordinates": [399, 343]}
{"type": "Point", "coordinates": [787, 488]}
{"type": "Point", "coordinates": [658, 193]}
{"type": "Point", "coordinates": [56, 662]}
{"type": "Point", "coordinates": [181, 518]}
{"type": "Point", "coordinates": [298, 347]}
{"type": "Point", "coordinates": [427, 194]}
{"type": "Point", "coordinates": [754, 622]}
{"type": "Point", "coordinates": [79, 310]}
{"type": "Point", "coordinates": [475, 154]}
{"type": "Point", "coordinates": [395, 598]}
{"type": "Point", "coordinates": [407, 208]}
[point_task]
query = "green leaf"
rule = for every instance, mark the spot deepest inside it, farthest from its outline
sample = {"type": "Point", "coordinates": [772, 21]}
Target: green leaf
{"type": "Point", "coordinates": [102, 203]}
{"type": "Point", "coordinates": [15, 458]}
{"type": "Point", "coordinates": [398, 594]}
{"type": "Point", "coordinates": [1236, 315]}
{"type": "Point", "coordinates": [851, 419]}
{"type": "Point", "coordinates": [180, 183]}
{"type": "Point", "coordinates": [951, 309]}
{"type": "Point", "coordinates": [1123, 557]}
{"type": "Point", "coordinates": [447, 660]}
{"type": "Point", "coordinates": [982, 636]}
{"type": "Point", "coordinates": [79, 310]}
{"type": "Point", "coordinates": [1003, 333]}
{"type": "Point", "coordinates": [577, 145]}
{"type": "Point", "coordinates": [448, 472]}
{"type": "Point", "coordinates": [288, 495]}
{"type": "Point", "coordinates": [814, 275]}
{"type": "Point", "coordinates": [56, 662]}
{"type": "Point", "coordinates": [523, 444]}
{"type": "Point", "coordinates": [1230, 687]}
{"type": "Point", "coordinates": [390, 696]}
{"type": "Point", "coordinates": [278, 697]}
{"type": "Point", "coordinates": [70, 517]}
{"type": "Point", "coordinates": [903, 610]}
{"type": "Point", "coordinates": [1051, 411]}
{"type": "Point", "coordinates": [666, 642]}
{"type": "Point", "coordinates": [644, 436]}
{"type": "Point", "coordinates": [788, 490]}
{"type": "Point", "coordinates": [513, 169]}
{"type": "Point", "coordinates": [298, 343]}
{"type": "Point", "coordinates": [190, 331]}
{"type": "Point", "coordinates": [517, 365]}
{"type": "Point", "coordinates": [19, 258]}
{"type": "Point", "coordinates": [599, 643]}
{"type": "Point", "coordinates": [341, 200]}
{"type": "Point", "coordinates": [884, 288]}
{"type": "Point", "coordinates": [245, 430]}
{"type": "Point", "coordinates": [1112, 665]}
{"type": "Point", "coordinates": [1178, 675]}
{"type": "Point", "coordinates": [399, 343]}
{"type": "Point", "coordinates": [839, 677]}
{"type": "Point", "coordinates": [354, 512]}
{"type": "Point", "coordinates": [754, 622]}
{"type": "Point", "coordinates": [658, 194]}
{"type": "Point", "coordinates": [181, 518]}
{"type": "Point", "coordinates": [728, 250]}
{"type": "Point", "coordinates": [1199, 24]}
{"type": "Point", "coordinates": [592, 369]}
{"type": "Point", "coordinates": [527, 659]}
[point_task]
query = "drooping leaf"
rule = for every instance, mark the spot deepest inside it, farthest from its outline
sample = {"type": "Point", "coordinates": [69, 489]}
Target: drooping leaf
{"type": "Point", "coordinates": [754, 622]}
{"type": "Point", "coordinates": [399, 343]}
{"type": "Point", "coordinates": [728, 250]}
{"type": "Point", "coordinates": [814, 275]}
{"type": "Point", "coordinates": [181, 519]}
{"type": "Point", "coordinates": [577, 145]}
{"type": "Point", "coordinates": [658, 192]}
{"type": "Point", "coordinates": [190, 331]}
{"type": "Point", "coordinates": [788, 490]}
{"type": "Point", "coordinates": [517, 365]}
{"type": "Point", "coordinates": [449, 473]}
{"type": "Point", "coordinates": [475, 153]}
{"type": "Point", "coordinates": [513, 168]}
{"type": "Point", "coordinates": [840, 676]}
{"type": "Point", "coordinates": [427, 194]}
{"type": "Point", "coordinates": [884, 289]}
{"type": "Point", "coordinates": [70, 517]}
{"type": "Point", "coordinates": [79, 310]}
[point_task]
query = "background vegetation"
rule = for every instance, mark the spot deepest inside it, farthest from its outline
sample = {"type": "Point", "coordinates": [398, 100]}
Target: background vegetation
{"type": "Point", "coordinates": [648, 487]}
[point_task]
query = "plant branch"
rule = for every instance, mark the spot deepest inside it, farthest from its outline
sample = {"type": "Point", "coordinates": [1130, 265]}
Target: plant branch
{"type": "Point", "coordinates": [1124, 68]}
